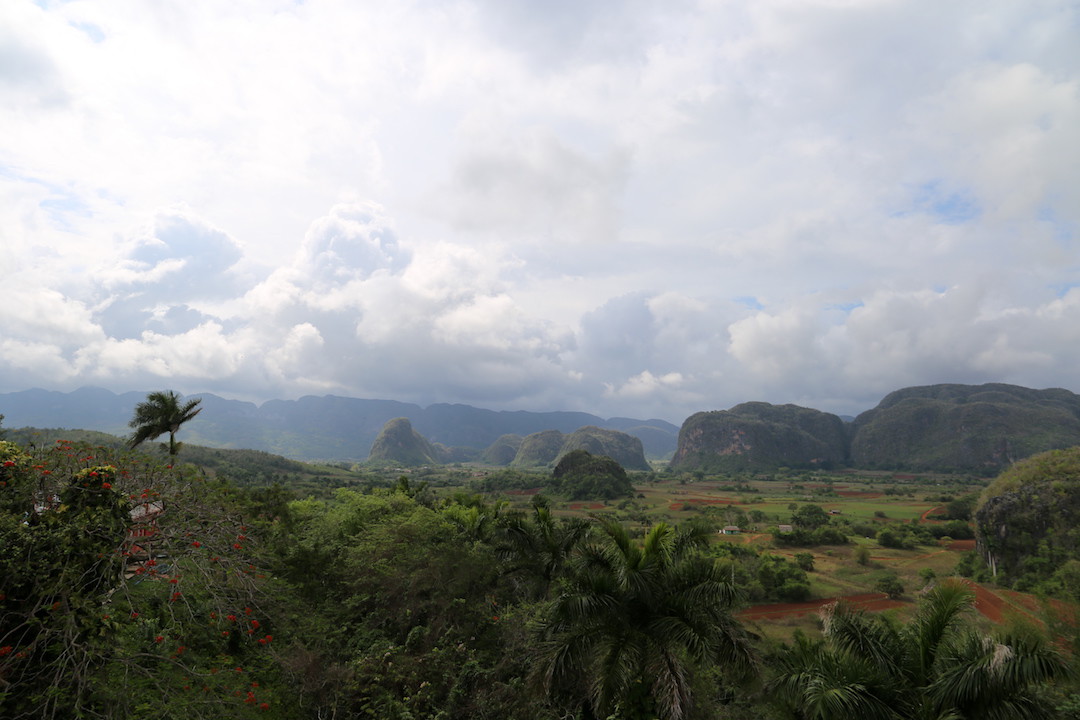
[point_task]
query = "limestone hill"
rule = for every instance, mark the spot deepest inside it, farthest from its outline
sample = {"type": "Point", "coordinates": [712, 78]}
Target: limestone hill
{"type": "Point", "coordinates": [760, 435]}
{"type": "Point", "coordinates": [980, 428]}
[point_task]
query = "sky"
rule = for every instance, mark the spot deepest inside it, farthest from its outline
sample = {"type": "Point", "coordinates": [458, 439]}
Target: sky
{"type": "Point", "coordinates": [629, 208]}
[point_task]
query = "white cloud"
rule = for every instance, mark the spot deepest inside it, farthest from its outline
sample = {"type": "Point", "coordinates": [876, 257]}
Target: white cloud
{"type": "Point", "coordinates": [643, 209]}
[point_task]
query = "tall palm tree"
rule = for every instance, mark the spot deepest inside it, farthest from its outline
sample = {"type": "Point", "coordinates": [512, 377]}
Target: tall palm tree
{"type": "Point", "coordinates": [935, 667]}
{"type": "Point", "coordinates": [535, 549]}
{"type": "Point", "coordinates": [633, 621]}
{"type": "Point", "coordinates": [160, 413]}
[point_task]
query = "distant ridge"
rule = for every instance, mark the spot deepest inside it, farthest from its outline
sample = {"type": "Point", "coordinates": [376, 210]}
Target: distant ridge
{"type": "Point", "coordinates": [945, 427]}
{"type": "Point", "coordinates": [316, 428]}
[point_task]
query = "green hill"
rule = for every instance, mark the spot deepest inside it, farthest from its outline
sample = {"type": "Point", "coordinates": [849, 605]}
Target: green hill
{"type": "Point", "coordinates": [760, 435]}
{"type": "Point", "coordinates": [546, 448]}
{"type": "Point", "coordinates": [399, 444]}
{"type": "Point", "coordinates": [1026, 524]}
{"type": "Point", "coordinates": [539, 449]}
{"type": "Point", "coordinates": [502, 451]}
{"type": "Point", "coordinates": [980, 428]}
{"type": "Point", "coordinates": [621, 447]}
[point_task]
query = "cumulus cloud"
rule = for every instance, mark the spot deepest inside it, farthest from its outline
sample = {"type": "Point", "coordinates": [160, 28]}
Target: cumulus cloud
{"type": "Point", "coordinates": [635, 210]}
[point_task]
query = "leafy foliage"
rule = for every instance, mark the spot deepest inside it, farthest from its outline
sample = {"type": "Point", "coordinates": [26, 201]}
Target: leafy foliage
{"type": "Point", "coordinates": [632, 621]}
{"type": "Point", "coordinates": [1028, 521]}
{"type": "Point", "coordinates": [936, 666]}
{"type": "Point", "coordinates": [112, 572]}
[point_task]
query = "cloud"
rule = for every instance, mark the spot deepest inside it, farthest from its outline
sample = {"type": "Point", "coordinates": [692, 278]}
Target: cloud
{"type": "Point", "coordinates": [537, 185]}
{"type": "Point", "coordinates": [644, 209]}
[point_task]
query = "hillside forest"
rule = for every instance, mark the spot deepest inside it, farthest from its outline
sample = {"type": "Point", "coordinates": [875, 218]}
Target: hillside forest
{"type": "Point", "coordinates": [186, 582]}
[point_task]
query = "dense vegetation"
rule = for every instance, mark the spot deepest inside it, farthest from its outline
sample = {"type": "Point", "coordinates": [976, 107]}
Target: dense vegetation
{"type": "Point", "coordinates": [1028, 524]}
{"type": "Point", "coordinates": [133, 586]}
{"type": "Point", "coordinates": [580, 475]}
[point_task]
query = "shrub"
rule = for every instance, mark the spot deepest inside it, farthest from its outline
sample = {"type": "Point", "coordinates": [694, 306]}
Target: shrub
{"type": "Point", "coordinates": [862, 555]}
{"type": "Point", "coordinates": [890, 585]}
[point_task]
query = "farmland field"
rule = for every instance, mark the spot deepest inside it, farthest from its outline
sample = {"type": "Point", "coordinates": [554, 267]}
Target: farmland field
{"type": "Point", "coordinates": [859, 504]}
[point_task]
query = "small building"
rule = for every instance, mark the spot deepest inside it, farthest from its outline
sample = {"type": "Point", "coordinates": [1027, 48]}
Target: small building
{"type": "Point", "coordinates": [731, 530]}
{"type": "Point", "coordinates": [784, 529]}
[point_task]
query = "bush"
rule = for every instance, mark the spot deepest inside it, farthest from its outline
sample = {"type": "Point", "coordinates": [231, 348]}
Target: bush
{"type": "Point", "coordinates": [890, 585]}
{"type": "Point", "coordinates": [862, 555]}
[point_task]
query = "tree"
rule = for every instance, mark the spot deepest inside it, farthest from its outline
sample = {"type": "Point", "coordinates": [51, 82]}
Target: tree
{"type": "Point", "coordinates": [162, 413]}
{"type": "Point", "coordinates": [122, 584]}
{"type": "Point", "coordinates": [935, 666]}
{"type": "Point", "coordinates": [810, 517]}
{"type": "Point", "coordinates": [890, 584]}
{"type": "Point", "coordinates": [535, 549]}
{"type": "Point", "coordinates": [633, 621]}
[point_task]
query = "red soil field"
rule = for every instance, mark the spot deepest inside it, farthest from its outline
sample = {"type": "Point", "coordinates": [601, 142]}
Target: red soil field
{"type": "Point", "coordinates": [926, 515]}
{"type": "Point", "coordinates": [987, 602]}
{"type": "Point", "coordinates": [711, 501]}
{"type": "Point", "coordinates": [962, 545]}
{"type": "Point", "coordinates": [873, 602]}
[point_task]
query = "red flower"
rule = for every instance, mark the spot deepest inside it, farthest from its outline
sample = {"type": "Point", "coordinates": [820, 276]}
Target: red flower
{"type": "Point", "coordinates": [237, 546]}
{"type": "Point", "coordinates": [196, 544]}
{"type": "Point", "coordinates": [230, 618]}
{"type": "Point", "coordinates": [159, 638]}
{"type": "Point", "coordinates": [6, 650]}
{"type": "Point", "coordinates": [264, 706]}
{"type": "Point", "coordinates": [106, 486]}
{"type": "Point", "coordinates": [254, 623]}
{"type": "Point", "coordinates": [9, 463]}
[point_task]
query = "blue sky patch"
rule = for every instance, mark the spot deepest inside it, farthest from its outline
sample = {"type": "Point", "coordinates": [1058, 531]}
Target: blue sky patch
{"type": "Point", "coordinates": [951, 207]}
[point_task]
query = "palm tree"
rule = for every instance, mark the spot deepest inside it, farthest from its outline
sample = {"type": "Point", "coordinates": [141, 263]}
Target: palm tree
{"type": "Point", "coordinates": [535, 549]}
{"type": "Point", "coordinates": [633, 621]}
{"type": "Point", "coordinates": [935, 667]}
{"type": "Point", "coordinates": [162, 413]}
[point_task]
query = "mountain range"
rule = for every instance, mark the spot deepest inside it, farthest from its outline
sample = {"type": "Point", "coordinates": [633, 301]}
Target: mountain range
{"type": "Point", "coordinates": [948, 427]}
{"type": "Point", "coordinates": [318, 428]}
